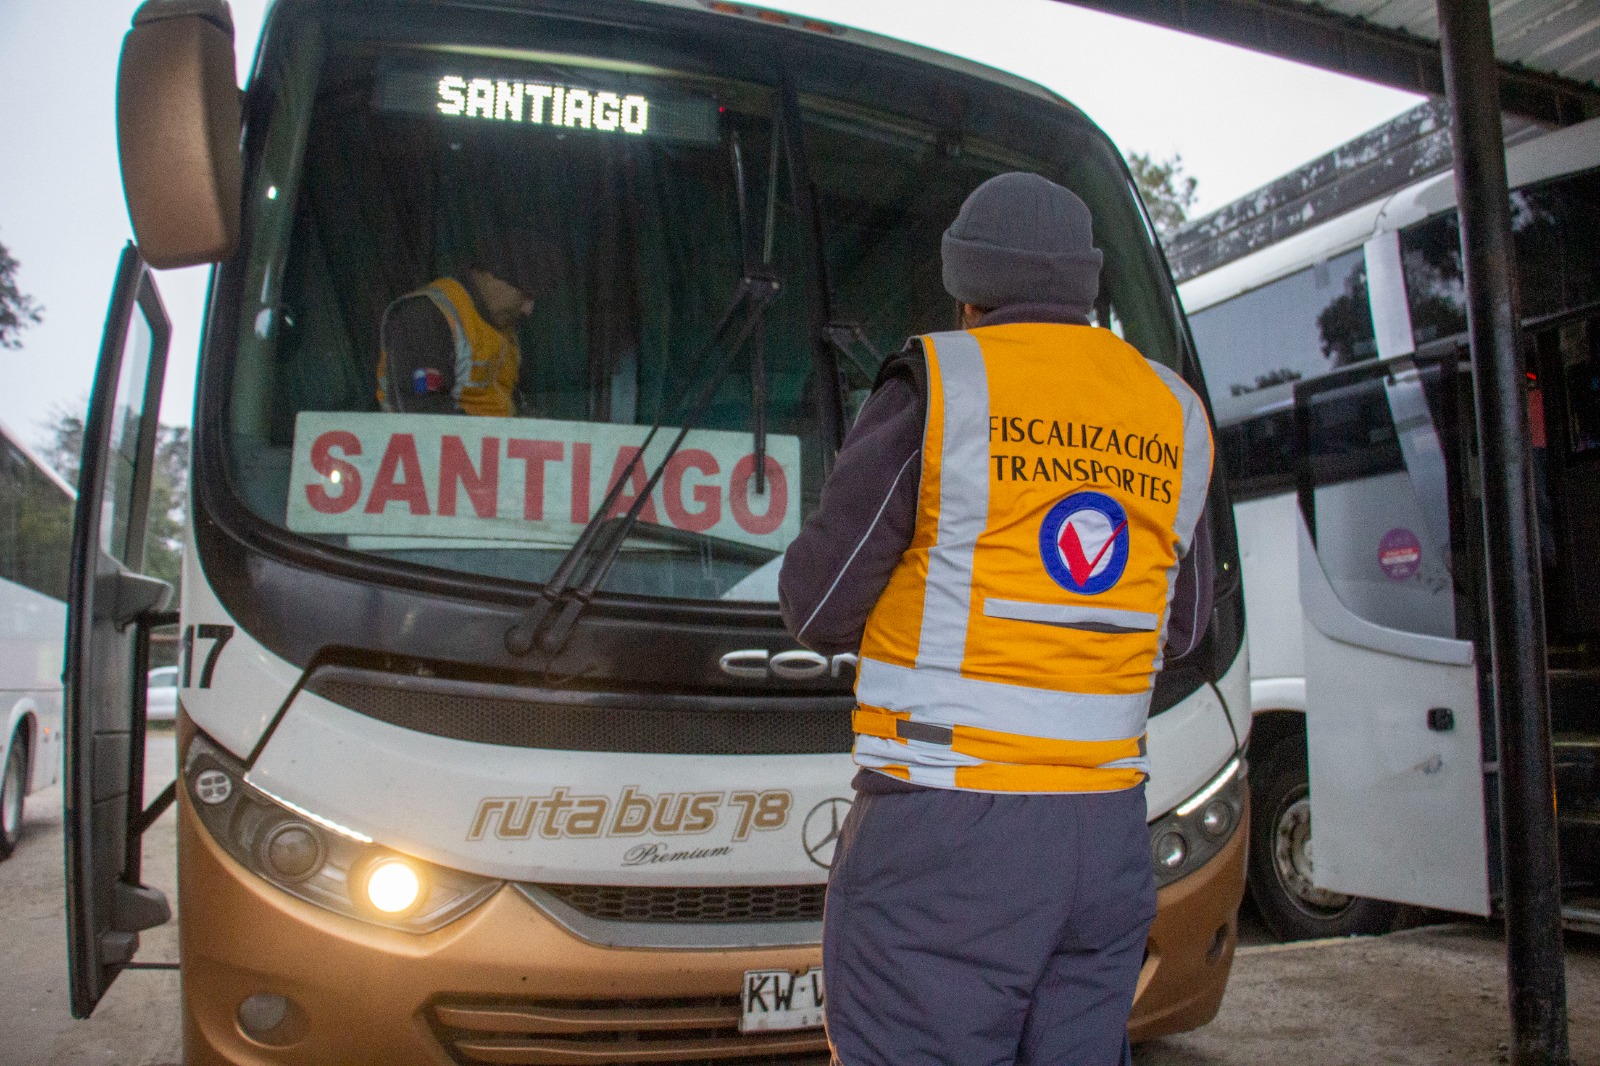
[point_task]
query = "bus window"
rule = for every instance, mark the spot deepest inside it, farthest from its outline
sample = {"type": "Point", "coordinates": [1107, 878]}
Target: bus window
{"type": "Point", "coordinates": [1256, 345]}
{"type": "Point", "coordinates": [888, 187]}
{"type": "Point", "coordinates": [622, 189]}
{"type": "Point", "coordinates": [1556, 229]}
{"type": "Point", "coordinates": [35, 524]}
{"type": "Point", "coordinates": [1379, 515]}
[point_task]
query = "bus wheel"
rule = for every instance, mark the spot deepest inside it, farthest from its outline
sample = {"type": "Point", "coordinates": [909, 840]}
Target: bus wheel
{"type": "Point", "coordinates": [13, 789]}
{"type": "Point", "coordinates": [1281, 854]}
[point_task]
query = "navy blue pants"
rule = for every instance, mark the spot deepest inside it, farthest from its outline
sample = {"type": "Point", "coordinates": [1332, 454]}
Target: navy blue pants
{"type": "Point", "coordinates": [979, 929]}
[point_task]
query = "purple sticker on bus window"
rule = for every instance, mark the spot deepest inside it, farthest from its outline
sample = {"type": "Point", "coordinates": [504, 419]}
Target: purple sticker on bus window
{"type": "Point", "coordinates": [1400, 554]}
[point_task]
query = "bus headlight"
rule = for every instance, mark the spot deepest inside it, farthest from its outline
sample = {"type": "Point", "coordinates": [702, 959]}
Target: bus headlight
{"type": "Point", "coordinates": [1191, 835]}
{"type": "Point", "coordinates": [393, 885]}
{"type": "Point", "coordinates": [321, 862]}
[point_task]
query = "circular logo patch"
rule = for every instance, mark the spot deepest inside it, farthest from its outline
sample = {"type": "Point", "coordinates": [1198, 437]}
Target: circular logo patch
{"type": "Point", "coordinates": [1084, 542]}
{"type": "Point", "coordinates": [1400, 554]}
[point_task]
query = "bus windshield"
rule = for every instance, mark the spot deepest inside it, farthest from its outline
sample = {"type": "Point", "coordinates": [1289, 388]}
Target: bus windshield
{"type": "Point", "coordinates": [631, 188]}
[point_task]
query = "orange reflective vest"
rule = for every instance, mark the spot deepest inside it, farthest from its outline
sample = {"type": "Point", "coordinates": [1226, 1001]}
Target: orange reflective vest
{"type": "Point", "coordinates": [487, 360]}
{"type": "Point", "coordinates": [1015, 646]}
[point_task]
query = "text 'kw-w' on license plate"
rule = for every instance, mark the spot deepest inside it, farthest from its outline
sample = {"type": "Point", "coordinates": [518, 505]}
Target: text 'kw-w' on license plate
{"type": "Point", "coordinates": [777, 999]}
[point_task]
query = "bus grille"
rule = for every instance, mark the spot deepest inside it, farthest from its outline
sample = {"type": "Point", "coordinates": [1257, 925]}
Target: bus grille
{"type": "Point", "coordinates": [690, 1032]}
{"type": "Point", "coordinates": [515, 716]}
{"type": "Point", "coordinates": [741, 903]}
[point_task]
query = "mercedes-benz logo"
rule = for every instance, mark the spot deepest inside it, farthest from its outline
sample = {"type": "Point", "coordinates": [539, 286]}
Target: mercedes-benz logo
{"type": "Point", "coordinates": [821, 830]}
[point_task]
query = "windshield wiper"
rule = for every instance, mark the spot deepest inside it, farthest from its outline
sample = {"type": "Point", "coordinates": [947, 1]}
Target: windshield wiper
{"type": "Point", "coordinates": [548, 624]}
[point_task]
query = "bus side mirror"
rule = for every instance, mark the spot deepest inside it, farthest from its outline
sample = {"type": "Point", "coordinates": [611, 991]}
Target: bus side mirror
{"type": "Point", "coordinates": [178, 132]}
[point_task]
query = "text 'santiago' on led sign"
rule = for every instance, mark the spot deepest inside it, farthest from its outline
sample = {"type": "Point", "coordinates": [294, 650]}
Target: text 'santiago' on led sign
{"type": "Point", "coordinates": [554, 105]}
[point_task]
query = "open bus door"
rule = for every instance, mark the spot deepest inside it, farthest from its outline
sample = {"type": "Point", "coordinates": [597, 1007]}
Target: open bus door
{"type": "Point", "coordinates": [111, 607]}
{"type": "Point", "coordinates": [1392, 724]}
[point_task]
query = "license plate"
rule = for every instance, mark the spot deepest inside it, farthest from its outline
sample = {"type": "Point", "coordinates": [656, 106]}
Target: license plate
{"type": "Point", "coordinates": [777, 999]}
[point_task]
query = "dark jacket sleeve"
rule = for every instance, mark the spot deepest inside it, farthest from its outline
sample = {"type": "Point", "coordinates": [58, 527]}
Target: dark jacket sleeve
{"type": "Point", "coordinates": [417, 337]}
{"type": "Point", "coordinates": [835, 570]}
{"type": "Point", "coordinates": [1191, 595]}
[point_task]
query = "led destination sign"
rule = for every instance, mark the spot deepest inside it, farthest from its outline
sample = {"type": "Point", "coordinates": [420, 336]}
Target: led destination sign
{"type": "Point", "coordinates": [510, 102]}
{"type": "Point", "coordinates": [559, 105]}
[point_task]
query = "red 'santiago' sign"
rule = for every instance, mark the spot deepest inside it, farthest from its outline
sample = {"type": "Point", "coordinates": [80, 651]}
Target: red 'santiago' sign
{"type": "Point", "coordinates": [393, 480]}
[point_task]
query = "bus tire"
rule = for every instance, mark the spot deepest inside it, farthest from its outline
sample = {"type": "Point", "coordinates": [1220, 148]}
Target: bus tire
{"type": "Point", "coordinates": [1280, 856]}
{"type": "Point", "coordinates": [13, 793]}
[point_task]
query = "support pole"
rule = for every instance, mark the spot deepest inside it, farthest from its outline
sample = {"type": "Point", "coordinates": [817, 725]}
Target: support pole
{"type": "Point", "coordinates": [1535, 961]}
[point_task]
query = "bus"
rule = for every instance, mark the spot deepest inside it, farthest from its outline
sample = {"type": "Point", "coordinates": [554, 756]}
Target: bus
{"type": "Point", "coordinates": [491, 744]}
{"type": "Point", "coordinates": [35, 537]}
{"type": "Point", "coordinates": [1335, 349]}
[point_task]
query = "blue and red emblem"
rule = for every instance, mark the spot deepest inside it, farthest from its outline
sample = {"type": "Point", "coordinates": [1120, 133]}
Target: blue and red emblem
{"type": "Point", "coordinates": [425, 380]}
{"type": "Point", "coordinates": [1084, 542]}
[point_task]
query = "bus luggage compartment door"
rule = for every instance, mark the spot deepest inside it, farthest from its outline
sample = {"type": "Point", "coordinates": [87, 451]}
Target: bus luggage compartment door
{"type": "Point", "coordinates": [110, 604]}
{"type": "Point", "coordinates": [1392, 723]}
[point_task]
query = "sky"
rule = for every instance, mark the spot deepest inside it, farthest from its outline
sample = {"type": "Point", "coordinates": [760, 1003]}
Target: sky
{"type": "Point", "coordinates": [1239, 119]}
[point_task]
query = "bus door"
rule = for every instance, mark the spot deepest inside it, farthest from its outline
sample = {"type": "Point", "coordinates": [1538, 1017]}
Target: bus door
{"type": "Point", "coordinates": [111, 607]}
{"type": "Point", "coordinates": [1392, 723]}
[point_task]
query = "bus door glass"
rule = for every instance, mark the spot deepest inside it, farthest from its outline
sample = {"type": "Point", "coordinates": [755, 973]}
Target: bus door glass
{"type": "Point", "coordinates": [1396, 754]}
{"type": "Point", "coordinates": [111, 604]}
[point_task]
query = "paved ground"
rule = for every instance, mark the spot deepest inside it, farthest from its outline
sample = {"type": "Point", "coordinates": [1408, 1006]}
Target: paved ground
{"type": "Point", "coordinates": [1426, 997]}
{"type": "Point", "coordinates": [137, 1023]}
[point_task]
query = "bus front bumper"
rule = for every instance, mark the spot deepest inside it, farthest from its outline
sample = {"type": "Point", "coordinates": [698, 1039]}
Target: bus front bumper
{"type": "Point", "coordinates": [1191, 945]}
{"type": "Point", "coordinates": [492, 986]}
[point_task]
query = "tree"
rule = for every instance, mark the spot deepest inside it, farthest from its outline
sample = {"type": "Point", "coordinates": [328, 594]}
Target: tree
{"type": "Point", "coordinates": [1168, 192]}
{"type": "Point", "coordinates": [17, 310]}
{"type": "Point", "coordinates": [169, 489]}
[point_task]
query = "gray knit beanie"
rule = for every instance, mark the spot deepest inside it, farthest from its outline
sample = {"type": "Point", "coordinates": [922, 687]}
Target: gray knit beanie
{"type": "Point", "coordinates": [1021, 238]}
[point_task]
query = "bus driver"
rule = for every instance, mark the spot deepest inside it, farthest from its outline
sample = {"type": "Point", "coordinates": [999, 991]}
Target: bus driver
{"type": "Point", "coordinates": [450, 347]}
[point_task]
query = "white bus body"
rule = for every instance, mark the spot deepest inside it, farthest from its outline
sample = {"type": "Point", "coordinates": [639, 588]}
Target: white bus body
{"type": "Point", "coordinates": [35, 535]}
{"type": "Point", "coordinates": [1374, 285]}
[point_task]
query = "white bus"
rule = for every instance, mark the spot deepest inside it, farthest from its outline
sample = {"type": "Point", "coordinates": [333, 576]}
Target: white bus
{"type": "Point", "coordinates": [478, 761]}
{"type": "Point", "coordinates": [1339, 377]}
{"type": "Point", "coordinates": [35, 541]}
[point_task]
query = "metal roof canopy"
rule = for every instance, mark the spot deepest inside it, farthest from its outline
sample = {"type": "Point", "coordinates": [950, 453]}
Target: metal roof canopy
{"type": "Point", "coordinates": [1548, 50]}
{"type": "Point", "coordinates": [1456, 48]}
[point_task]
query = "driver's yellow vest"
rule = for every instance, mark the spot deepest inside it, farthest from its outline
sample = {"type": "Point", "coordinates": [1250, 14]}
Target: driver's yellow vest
{"type": "Point", "coordinates": [487, 360]}
{"type": "Point", "coordinates": [1015, 646]}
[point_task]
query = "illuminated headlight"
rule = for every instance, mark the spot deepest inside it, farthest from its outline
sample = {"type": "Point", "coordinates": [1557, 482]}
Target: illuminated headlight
{"type": "Point", "coordinates": [319, 861]}
{"type": "Point", "coordinates": [1191, 835]}
{"type": "Point", "coordinates": [392, 885]}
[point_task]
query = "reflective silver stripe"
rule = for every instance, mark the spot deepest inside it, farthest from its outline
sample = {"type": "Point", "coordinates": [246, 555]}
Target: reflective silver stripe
{"type": "Point", "coordinates": [933, 776]}
{"type": "Point", "coordinates": [458, 333]}
{"type": "Point", "coordinates": [1196, 459]}
{"type": "Point", "coordinates": [963, 499]}
{"type": "Point", "coordinates": [933, 767]}
{"type": "Point", "coordinates": [1094, 619]}
{"type": "Point", "coordinates": [942, 697]}
{"type": "Point", "coordinates": [912, 753]}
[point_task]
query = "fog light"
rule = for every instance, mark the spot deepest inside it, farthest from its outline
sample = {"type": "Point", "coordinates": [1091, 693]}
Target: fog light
{"type": "Point", "coordinates": [1171, 850]}
{"type": "Point", "coordinates": [393, 886]}
{"type": "Point", "coordinates": [292, 851]}
{"type": "Point", "coordinates": [271, 1019]}
{"type": "Point", "coordinates": [1217, 818]}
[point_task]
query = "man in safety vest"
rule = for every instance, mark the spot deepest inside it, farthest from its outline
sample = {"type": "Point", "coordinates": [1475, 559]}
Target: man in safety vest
{"type": "Point", "coordinates": [1009, 538]}
{"type": "Point", "coordinates": [450, 347]}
